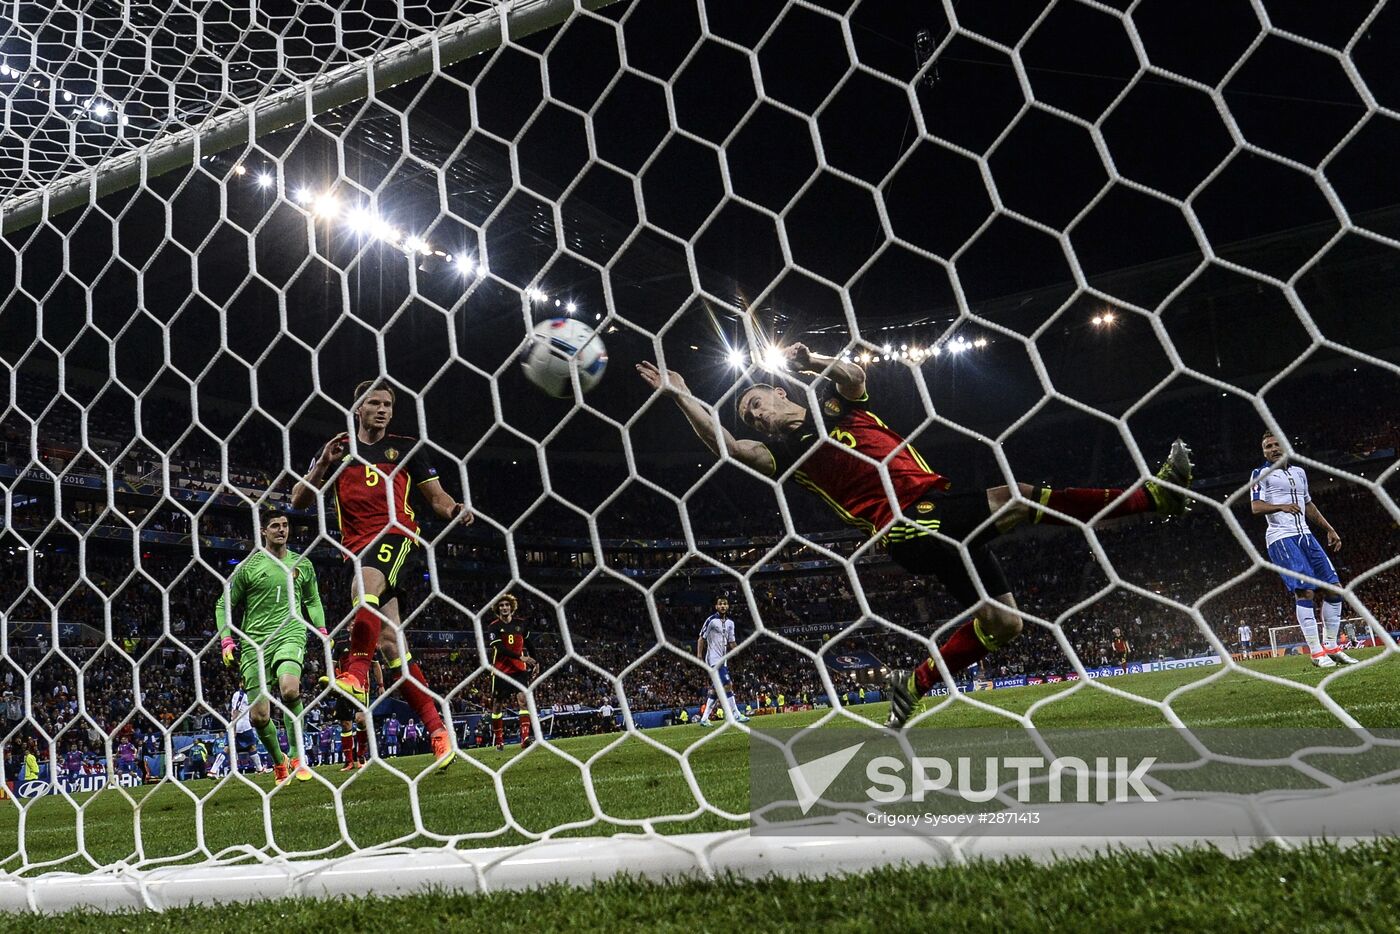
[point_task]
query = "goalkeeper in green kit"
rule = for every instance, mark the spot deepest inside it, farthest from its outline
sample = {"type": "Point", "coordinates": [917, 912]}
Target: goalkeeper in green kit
{"type": "Point", "coordinates": [275, 586]}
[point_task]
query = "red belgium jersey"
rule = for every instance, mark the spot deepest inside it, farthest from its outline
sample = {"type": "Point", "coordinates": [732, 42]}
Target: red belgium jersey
{"type": "Point", "coordinates": [508, 645]}
{"type": "Point", "coordinates": [372, 490]}
{"type": "Point", "coordinates": [850, 485]}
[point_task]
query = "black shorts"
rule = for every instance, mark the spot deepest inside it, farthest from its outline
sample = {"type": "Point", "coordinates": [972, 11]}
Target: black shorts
{"type": "Point", "coordinates": [392, 556]}
{"type": "Point", "coordinates": [956, 517]}
{"type": "Point", "coordinates": [503, 690]}
{"type": "Point", "coordinates": [346, 709]}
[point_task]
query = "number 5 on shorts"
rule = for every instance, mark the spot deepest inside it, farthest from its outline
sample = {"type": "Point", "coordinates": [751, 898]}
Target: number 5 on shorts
{"type": "Point", "coordinates": [386, 553]}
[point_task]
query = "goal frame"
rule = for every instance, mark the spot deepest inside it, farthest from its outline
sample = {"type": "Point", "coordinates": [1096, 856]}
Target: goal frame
{"type": "Point", "coordinates": [357, 80]}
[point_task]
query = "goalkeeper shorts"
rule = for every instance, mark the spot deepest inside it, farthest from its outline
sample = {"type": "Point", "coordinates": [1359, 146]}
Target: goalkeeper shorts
{"type": "Point", "coordinates": [284, 653]}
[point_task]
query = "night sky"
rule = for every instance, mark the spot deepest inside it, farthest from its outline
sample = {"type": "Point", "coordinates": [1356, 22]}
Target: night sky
{"type": "Point", "coordinates": [917, 203]}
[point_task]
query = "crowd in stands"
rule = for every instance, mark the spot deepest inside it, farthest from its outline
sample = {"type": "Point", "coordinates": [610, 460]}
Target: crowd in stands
{"type": "Point", "coordinates": [146, 626]}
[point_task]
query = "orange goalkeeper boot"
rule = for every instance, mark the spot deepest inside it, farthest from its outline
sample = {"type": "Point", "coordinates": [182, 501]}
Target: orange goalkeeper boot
{"type": "Point", "coordinates": [442, 748]}
{"type": "Point", "coordinates": [299, 769]}
{"type": "Point", "coordinates": [279, 773]}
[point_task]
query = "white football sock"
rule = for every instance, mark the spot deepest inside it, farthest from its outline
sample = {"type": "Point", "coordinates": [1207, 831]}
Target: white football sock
{"type": "Point", "coordinates": [1308, 621]}
{"type": "Point", "coordinates": [1331, 622]}
{"type": "Point", "coordinates": [705, 711]}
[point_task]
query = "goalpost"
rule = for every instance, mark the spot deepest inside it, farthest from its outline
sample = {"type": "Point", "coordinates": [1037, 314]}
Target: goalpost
{"type": "Point", "coordinates": [118, 113]}
{"type": "Point", "coordinates": [1282, 637]}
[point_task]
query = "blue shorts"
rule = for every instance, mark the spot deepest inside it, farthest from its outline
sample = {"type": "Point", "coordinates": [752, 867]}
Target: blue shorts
{"type": "Point", "coordinates": [245, 741]}
{"type": "Point", "coordinates": [1302, 554]}
{"type": "Point", "coordinates": [723, 674]}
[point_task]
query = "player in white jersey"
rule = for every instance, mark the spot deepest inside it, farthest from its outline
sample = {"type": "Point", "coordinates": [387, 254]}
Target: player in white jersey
{"type": "Point", "coordinates": [715, 641]}
{"type": "Point", "coordinates": [1279, 492]}
{"type": "Point", "coordinates": [244, 737]}
{"type": "Point", "coordinates": [1246, 636]}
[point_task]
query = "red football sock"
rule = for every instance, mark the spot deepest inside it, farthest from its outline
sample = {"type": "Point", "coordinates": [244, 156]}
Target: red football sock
{"type": "Point", "coordinates": [962, 649]}
{"type": "Point", "coordinates": [1086, 503]}
{"type": "Point", "coordinates": [498, 729]}
{"type": "Point", "coordinates": [362, 746]}
{"type": "Point", "coordinates": [524, 727]}
{"type": "Point", "coordinates": [420, 700]}
{"type": "Point", "coordinates": [364, 639]}
{"type": "Point", "coordinates": [347, 746]}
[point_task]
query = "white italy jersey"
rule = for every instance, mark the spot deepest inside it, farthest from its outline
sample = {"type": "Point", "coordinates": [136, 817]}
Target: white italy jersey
{"type": "Point", "coordinates": [717, 632]}
{"type": "Point", "coordinates": [239, 707]}
{"type": "Point", "coordinates": [1280, 485]}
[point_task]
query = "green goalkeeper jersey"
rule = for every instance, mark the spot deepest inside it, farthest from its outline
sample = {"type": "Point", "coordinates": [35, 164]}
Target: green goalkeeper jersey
{"type": "Point", "coordinates": [274, 594]}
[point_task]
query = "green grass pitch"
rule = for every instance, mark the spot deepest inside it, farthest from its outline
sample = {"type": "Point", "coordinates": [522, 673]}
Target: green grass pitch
{"type": "Point", "coordinates": [636, 783]}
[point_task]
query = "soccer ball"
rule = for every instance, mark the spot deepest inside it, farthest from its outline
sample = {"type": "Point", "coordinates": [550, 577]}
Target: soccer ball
{"type": "Point", "coordinates": [558, 345]}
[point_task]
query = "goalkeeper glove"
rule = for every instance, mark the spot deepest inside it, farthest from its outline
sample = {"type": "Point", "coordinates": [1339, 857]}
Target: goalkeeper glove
{"type": "Point", "coordinates": [226, 644]}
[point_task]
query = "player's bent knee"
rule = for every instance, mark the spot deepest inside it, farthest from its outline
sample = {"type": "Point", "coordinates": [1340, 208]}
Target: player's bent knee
{"type": "Point", "coordinates": [1002, 625]}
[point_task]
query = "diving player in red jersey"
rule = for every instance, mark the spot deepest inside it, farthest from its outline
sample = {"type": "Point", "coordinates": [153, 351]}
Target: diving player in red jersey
{"type": "Point", "coordinates": [372, 484]}
{"type": "Point", "coordinates": [510, 655]}
{"type": "Point", "coordinates": [817, 446]}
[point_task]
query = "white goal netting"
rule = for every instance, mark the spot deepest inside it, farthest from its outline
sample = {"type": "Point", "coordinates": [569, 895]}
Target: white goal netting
{"type": "Point", "coordinates": [1055, 240]}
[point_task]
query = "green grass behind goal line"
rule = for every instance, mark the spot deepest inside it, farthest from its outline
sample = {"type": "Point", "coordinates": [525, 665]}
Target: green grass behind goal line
{"type": "Point", "coordinates": [634, 782]}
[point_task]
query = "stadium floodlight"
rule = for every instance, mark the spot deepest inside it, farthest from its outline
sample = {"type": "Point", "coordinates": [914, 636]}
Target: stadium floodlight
{"type": "Point", "coordinates": [264, 179]}
{"type": "Point", "coordinates": [774, 359]}
{"type": "Point", "coordinates": [413, 244]}
{"type": "Point", "coordinates": [303, 196]}
{"type": "Point", "coordinates": [980, 342]}
{"type": "Point", "coordinates": [571, 307]}
{"type": "Point", "coordinates": [736, 358]}
{"type": "Point", "coordinates": [358, 220]}
{"type": "Point", "coordinates": [326, 206]}
{"type": "Point", "coordinates": [101, 110]}
{"type": "Point", "coordinates": [381, 229]}
{"type": "Point", "coordinates": [240, 169]}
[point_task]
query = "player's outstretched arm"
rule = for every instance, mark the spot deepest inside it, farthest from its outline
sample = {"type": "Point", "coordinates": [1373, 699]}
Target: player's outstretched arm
{"type": "Point", "coordinates": [700, 415]}
{"type": "Point", "coordinates": [310, 598]}
{"type": "Point", "coordinates": [443, 505]}
{"type": "Point", "coordinates": [1314, 515]}
{"type": "Point", "coordinates": [223, 618]}
{"type": "Point", "coordinates": [1260, 508]}
{"type": "Point", "coordinates": [304, 493]}
{"type": "Point", "coordinates": [849, 377]}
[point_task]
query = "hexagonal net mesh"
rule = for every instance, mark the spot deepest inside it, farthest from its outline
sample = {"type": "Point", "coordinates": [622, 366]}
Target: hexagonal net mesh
{"type": "Point", "coordinates": [1074, 222]}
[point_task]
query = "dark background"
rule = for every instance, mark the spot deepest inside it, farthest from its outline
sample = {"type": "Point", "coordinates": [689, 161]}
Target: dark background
{"type": "Point", "coordinates": [1226, 189]}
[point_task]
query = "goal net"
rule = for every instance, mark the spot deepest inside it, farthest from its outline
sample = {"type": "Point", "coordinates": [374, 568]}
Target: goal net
{"type": "Point", "coordinates": [1051, 242]}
